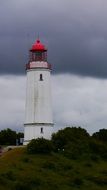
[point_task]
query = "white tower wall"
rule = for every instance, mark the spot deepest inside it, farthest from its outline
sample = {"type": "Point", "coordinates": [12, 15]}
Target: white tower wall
{"type": "Point", "coordinates": [38, 112]}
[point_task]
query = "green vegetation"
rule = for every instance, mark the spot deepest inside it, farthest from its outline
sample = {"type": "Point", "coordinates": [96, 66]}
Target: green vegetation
{"type": "Point", "coordinates": [72, 160]}
{"type": "Point", "coordinates": [40, 145]}
{"type": "Point", "coordinates": [8, 137]}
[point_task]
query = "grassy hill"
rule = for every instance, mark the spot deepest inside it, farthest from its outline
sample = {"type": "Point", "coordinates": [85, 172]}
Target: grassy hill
{"type": "Point", "coordinates": [22, 171]}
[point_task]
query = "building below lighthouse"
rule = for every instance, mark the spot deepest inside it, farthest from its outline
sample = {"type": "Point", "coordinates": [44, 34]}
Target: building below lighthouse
{"type": "Point", "coordinates": [38, 109]}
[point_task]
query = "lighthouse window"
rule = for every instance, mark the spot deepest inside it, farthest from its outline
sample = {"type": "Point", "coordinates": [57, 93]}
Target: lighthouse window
{"type": "Point", "coordinates": [41, 77]}
{"type": "Point", "coordinates": [41, 129]}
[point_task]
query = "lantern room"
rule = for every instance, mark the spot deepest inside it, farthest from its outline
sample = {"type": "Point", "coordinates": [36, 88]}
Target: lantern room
{"type": "Point", "coordinates": [38, 52]}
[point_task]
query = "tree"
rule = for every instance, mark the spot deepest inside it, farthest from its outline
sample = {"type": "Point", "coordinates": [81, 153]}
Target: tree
{"type": "Point", "coordinates": [7, 137]}
{"type": "Point", "coordinates": [101, 135]}
{"type": "Point", "coordinates": [69, 135]}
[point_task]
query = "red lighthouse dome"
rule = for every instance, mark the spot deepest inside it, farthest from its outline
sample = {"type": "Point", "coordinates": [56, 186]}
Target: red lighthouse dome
{"type": "Point", "coordinates": [38, 52]}
{"type": "Point", "coordinates": [38, 56]}
{"type": "Point", "coordinates": [38, 46]}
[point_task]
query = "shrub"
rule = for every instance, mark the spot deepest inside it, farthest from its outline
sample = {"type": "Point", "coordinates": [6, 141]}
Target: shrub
{"type": "Point", "coordinates": [99, 180]}
{"type": "Point", "coordinates": [98, 148]}
{"type": "Point", "coordinates": [94, 158]}
{"type": "Point", "coordinates": [3, 181]}
{"type": "Point", "coordinates": [88, 164]}
{"type": "Point", "coordinates": [69, 135]}
{"type": "Point", "coordinates": [104, 172]}
{"type": "Point", "coordinates": [78, 181]}
{"type": "Point", "coordinates": [101, 135]}
{"type": "Point", "coordinates": [49, 165]}
{"type": "Point", "coordinates": [9, 175]}
{"type": "Point", "coordinates": [27, 184]}
{"type": "Point", "coordinates": [26, 160]}
{"type": "Point", "coordinates": [21, 186]}
{"type": "Point", "coordinates": [39, 145]}
{"type": "Point", "coordinates": [76, 149]}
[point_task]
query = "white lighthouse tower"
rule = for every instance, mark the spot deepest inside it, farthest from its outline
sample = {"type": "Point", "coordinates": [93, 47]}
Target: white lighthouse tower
{"type": "Point", "coordinates": [38, 111]}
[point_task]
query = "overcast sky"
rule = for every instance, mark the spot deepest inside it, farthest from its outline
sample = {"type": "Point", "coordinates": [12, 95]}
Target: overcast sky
{"type": "Point", "coordinates": [75, 32]}
{"type": "Point", "coordinates": [77, 101]}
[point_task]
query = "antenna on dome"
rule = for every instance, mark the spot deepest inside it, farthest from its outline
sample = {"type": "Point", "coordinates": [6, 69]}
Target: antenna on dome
{"type": "Point", "coordinates": [38, 36]}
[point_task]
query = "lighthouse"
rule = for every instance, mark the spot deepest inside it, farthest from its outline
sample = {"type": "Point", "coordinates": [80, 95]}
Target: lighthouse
{"type": "Point", "coordinates": [38, 109]}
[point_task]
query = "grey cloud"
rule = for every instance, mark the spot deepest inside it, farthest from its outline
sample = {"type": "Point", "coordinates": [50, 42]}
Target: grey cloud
{"type": "Point", "coordinates": [74, 31]}
{"type": "Point", "coordinates": [79, 101]}
{"type": "Point", "coordinates": [12, 96]}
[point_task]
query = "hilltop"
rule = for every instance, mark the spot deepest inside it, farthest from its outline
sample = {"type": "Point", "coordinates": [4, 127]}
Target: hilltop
{"type": "Point", "coordinates": [19, 171]}
{"type": "Point", "coordinates": [80, 163]}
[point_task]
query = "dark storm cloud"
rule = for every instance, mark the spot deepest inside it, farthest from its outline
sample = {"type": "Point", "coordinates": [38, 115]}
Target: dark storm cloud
{"type": "Point", "coordinates": [75, 32]}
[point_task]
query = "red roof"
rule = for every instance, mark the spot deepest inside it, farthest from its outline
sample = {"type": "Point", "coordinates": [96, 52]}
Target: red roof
{"type": "Point", "coordinates": [38, 46]}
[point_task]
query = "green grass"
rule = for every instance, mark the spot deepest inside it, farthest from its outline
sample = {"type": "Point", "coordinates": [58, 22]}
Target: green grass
{"type": "Point", "coordinates": [22, 171]}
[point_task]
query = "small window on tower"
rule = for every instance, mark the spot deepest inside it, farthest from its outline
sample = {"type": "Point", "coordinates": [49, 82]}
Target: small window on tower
{"type": "Point", "coordinates": [41, 77]}
{"type": "Point", "coordinates": [42, 130]}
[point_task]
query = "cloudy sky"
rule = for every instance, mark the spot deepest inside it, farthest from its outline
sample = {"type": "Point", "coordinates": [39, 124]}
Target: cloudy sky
{"type": "Point", "coordinates": [75, 32]}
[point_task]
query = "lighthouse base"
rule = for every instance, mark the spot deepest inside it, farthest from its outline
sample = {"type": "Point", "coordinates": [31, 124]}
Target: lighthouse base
{"type": "Point", "coordinates": [34, 131]}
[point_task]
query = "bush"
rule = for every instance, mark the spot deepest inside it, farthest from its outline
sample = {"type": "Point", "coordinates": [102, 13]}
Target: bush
{"type": "Point", "coordinates": [98, 148]}
{"type": "Point", "coordinates": [72, 142]}
{"type": "Point", "coordinates": [78, 181]}
{"type": "Point", "coordinates": [49, 165]}
{"type": "Point", "coordinates": [21, 186]}
{"type": "Point", "coordinates": [26, 160]}
{"type": "Point", "coordinates": [94, 158]}
{"type": "Point", "coordinates": [76, 149]}
{"type": "Point", "coordinates": [9, 175]}
{"type": "Point", "coordinates": [99, 180]}
{"type": "Point", "coordinates": [69, 135]}
{"type": "Point", "coordinates": [101, 135]}
{"type": "Point", "coordinates": [40, 145]}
